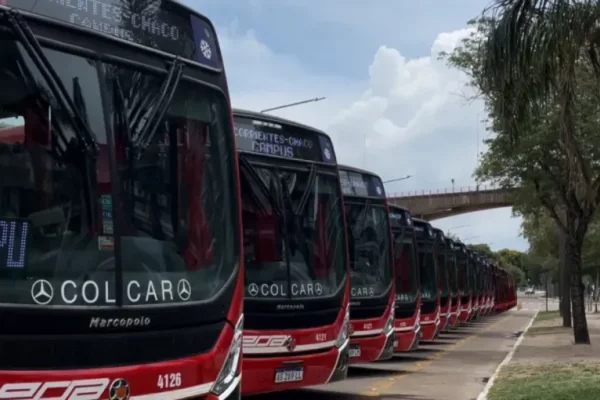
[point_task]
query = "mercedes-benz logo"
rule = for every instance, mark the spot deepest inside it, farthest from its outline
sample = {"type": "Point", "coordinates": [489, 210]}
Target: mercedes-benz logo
{"type": "Point", "coordinates": [119, 390]}
{"type": "Point", "coordinates": [42, 292]}
{"type": "Point", "coordinates": [318, 289]}
{"type": "Point", "coordinates": [253, 289]}
{"type": "Point", "coordinates": [184, 289]}
{"type": "Point", "coordinates": [290, 343]}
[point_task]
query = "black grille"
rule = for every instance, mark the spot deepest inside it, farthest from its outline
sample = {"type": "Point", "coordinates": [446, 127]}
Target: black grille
{"type": "Point", "coordinates": [366, 312]}
{"type": "Point", "coordinates": [291, 320]}
{"type": "Point", "coordinates": [104, 350]}
{"type": "Point", "coordinates": [404, 310]}
{"type": "Point", "coordinates": [444, 301]}
{"type": "Point", "coordinates": [427, 307]}
{"type": "Point", "coordinates": [464, 300]}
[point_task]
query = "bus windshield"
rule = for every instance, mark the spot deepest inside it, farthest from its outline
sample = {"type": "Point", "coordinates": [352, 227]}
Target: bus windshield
{"type": "Point", "coordinates": [161, 194]}
{"type": "Point", "coordinates": [293, 231]}
{"type": "Point", "coordinates": [369, 248]}
{"type": "Point", "coordinates": [406, 268]}
{"type": "Point", "coordinates": [452, 273]}
{"type": "Point", "coordinates": [428, 271]}
{"type": "Point", "coordinates": [443, 261]}
{"type": "Point", "coordinates": [463, 277]}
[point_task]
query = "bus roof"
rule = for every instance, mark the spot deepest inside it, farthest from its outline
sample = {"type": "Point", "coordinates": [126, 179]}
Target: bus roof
{"type": "Point", "coordinates": [258, 115]}
{"type": "Point", "coordinates": [357, 182]}
{"type": "Point", "coordinates": [169, 26]}
{"type": "Point", "coordinates": [401, 208]}
{"type": "Point", "coordinates": [357, 170]}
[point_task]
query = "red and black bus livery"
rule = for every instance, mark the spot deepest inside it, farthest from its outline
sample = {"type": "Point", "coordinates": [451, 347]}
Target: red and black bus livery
{"type": "Point", "coordinates": [297, 288]}
{"type": "Point", "coordinates": [487, 287]}
{"type": "Point", "coordinates": [407, 326]}
{"type": "Point", "coordinates": [443, 276]}
{"type": "Point", "coordinates": [478, 292]}
{"type": "Point", "coordinates": [121, 269]}
{"type": "Point", "coordinates": [464, 267]}
{"type": "Point", "coordinates": [427, 249]}
{"type": "Point", "coordinates": [453, 279]}
{"type": "Point", "coordinates": [372, 285]}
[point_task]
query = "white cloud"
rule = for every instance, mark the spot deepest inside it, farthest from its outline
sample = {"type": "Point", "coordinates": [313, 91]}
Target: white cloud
{"type": "Point", "coordinates": [410, 116]}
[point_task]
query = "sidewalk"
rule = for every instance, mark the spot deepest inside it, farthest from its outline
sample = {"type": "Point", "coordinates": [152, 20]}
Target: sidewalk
{"type": "Point", "coordinates": [548, 366]}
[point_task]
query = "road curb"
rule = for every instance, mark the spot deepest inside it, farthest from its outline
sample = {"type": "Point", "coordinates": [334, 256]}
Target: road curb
{"type": "Point", "coordinates": [483, 395]}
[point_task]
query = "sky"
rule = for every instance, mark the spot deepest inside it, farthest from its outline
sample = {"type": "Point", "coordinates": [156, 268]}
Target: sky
{"type": "Point", "coordinates": [391, 105]}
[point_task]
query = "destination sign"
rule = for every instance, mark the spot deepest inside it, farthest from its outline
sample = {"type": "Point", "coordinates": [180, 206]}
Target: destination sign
{"type": "Point", "coordinates": [162, 25]}
{"type": "Point", "coordinates": [399, 218]}
{"type": "Point", "coordinates": [423, 230]}
{"type": "Point", "coordinates": [13, 243]}
{"type": "Point", "coordinates": [275, 140]}
{"type": "Point", "coordinates": [361, 185]}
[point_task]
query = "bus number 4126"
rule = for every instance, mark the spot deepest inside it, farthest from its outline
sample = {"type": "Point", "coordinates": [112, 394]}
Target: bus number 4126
{"type": "Point", "coordinates": [169, 381]}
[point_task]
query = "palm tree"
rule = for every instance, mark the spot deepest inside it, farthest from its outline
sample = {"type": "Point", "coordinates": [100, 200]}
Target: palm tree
{"type": "Point", "coordinates": [534, 56]}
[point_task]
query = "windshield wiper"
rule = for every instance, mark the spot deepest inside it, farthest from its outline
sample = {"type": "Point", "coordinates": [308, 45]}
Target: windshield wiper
{"type": "Point", "coordinates": [165, 96]}
{"type": "Point", "coordinates": [249, 169]}
{"type": "Point", "coordinates": [35, 51]}
{"type": "Point", "coordinates": [312, 176]}
{"type": "Point", "coordinates": [122, 119]}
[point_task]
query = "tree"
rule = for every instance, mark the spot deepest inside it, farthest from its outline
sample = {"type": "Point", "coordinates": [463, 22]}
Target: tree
{"type": "Point", "coordinates": [510, 260]}
{"type": "Point", "coordinates": [542, 58]}
{"type": "Point", "coordinates": [521, 168]}
{"type": "Point", "coordinates": [536, 65]}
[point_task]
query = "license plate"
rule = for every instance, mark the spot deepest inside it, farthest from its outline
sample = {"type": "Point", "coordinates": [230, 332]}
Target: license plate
{"type": "Point", "coordinates": [395, 343]}
{"type": "Point", "coordinates": [354, 351]}
{"type": "Point", "coordinates": [294, 374]}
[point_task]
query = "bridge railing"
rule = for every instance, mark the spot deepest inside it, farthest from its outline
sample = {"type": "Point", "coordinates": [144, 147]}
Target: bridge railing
{"type": "Point", "coordinates": [453, 190]}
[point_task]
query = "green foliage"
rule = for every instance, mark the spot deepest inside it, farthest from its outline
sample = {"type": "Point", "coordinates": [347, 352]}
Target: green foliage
{"type": "Point", "coordinates": [483, 249]}
{"type": "Point", "coordinates": [542, 234]}
{"type": "Point", "coordinates": [536, 64]}
{"type": "Point", "coordinates": [511, 260]}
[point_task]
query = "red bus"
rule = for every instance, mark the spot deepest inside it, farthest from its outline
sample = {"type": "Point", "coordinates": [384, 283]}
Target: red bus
{"type": "Point", "coordinates": [297, 288]}
{"type": "Point", "coordinates": [487, 287]}
{"type": "Point", "coordinates": [479, 294]}
{"type": "Point", "coordinates": [505, 293]}
{"type": "Point", "coordinates": [472, 268]}
{"type": "Point", "coordinates": [453, 278]}
{"type": "Point", "coordinates": [428, 248]}
{"type": "Point", "coordinates": [120, 225]}
{"type": "Point", "coordinates": [464, 266]}
{"type": "Point", "coordinates": [372, 285]}
{"type": "Point", "coordinates": [443, 261]}
{"type": "Point", "coordinates": [406, 272]}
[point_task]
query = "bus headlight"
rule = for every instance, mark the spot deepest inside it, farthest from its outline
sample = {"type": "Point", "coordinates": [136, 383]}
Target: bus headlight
{"type": "Point", "coordinates": [344, 332]}
{"type": "Point", "coordinates": [230, 368]}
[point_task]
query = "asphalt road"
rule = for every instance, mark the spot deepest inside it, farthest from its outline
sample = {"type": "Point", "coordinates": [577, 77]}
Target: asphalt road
{"type": "Point", "coordinates": [456, 367]}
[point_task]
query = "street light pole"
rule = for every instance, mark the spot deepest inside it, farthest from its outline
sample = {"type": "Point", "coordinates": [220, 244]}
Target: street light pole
{"type": "Point", "coordinates": [293, 104]}
{"type": "Point", "coordinates": [398, 179]}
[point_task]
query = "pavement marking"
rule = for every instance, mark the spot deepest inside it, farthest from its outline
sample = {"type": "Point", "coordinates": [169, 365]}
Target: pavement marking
{"type": "Point", "coordinates": [379, 386]}
{"type": "Point", "coordinates": [483, 395]}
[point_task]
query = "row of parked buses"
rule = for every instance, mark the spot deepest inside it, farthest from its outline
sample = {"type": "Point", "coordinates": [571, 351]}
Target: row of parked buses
{"type": "Point", "coordinates": [153, 247]}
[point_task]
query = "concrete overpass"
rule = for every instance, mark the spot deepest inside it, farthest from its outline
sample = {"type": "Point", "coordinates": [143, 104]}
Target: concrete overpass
{"type": "Point", "coordinates": [437, 204]}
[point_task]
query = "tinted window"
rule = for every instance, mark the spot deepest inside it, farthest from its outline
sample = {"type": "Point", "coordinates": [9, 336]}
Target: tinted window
{"type": "Point", "coordinates": [368, 248]}
{"type": "Point", "coordinates": [452, 272]}
{"type": "Point", "coordinates": [406, 268]}
{"type": "Point", "coordinates": [171, 190]}
{"type": "Point", "coordinates": [428, 271]}
{"type": "Point", "coordinates": [442, 262]}
{"type": "Point", "coordinates": [293, 232]}
{"type": "Point", "coordinates": [462, 271]}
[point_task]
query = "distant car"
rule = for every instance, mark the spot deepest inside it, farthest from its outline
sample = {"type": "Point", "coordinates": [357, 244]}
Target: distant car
{"type": "Point", "coordinates": [530, 291]}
